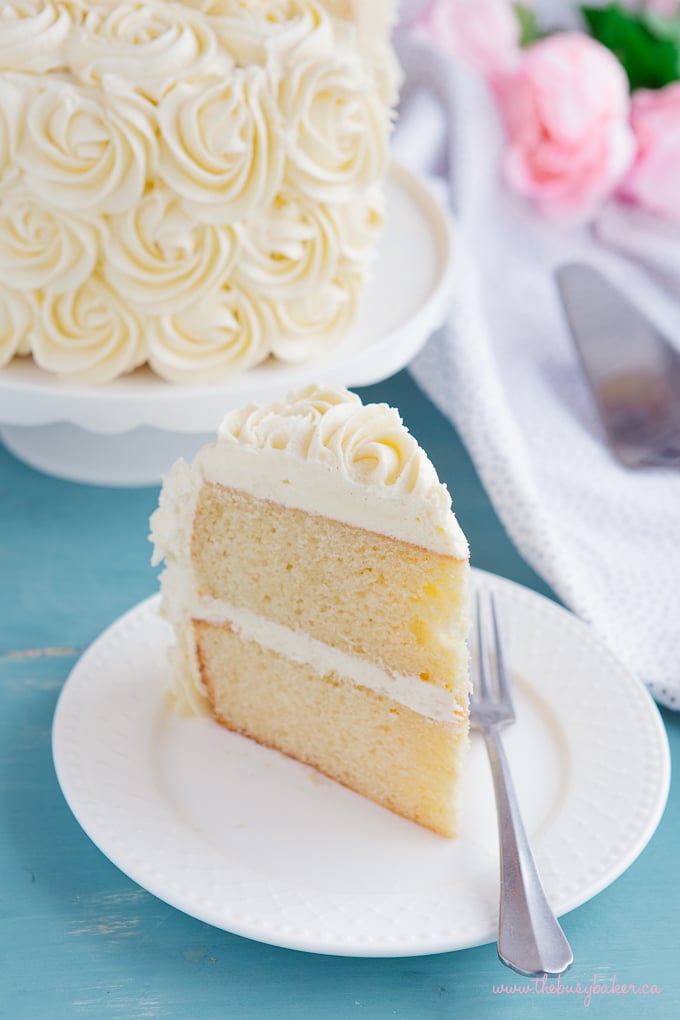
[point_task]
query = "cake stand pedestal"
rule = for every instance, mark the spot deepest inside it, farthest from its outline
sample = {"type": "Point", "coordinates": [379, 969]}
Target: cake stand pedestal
{"type": "Point", "coordinates": [134, 458]}
{"type": "Point", "coordinates": [130, 431]}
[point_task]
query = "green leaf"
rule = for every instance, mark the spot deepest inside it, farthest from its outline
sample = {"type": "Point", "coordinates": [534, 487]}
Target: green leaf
{"type": "Point", "coordinates": [528, 25]}
{"type": "Point", "coordinates": [650, 60]}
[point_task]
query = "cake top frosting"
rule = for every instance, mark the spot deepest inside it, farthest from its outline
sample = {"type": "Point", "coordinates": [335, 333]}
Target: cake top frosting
{"type": "Point", "coordinates": [368, 444]}
{"type": "Point", "coordinates": [196, 185]}
{"type": "Point", "coordinates": [323, 451]}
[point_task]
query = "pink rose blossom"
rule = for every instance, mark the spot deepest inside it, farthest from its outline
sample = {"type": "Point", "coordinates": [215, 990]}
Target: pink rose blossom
{"type": "Point", "coordinates": [654, 178]}
{"type": "Point", "coordinates": [565, 110]}
{"type": "Point", "coordinates": [483, 33]}
{"type": "Point", "coordinates": [668, 7]}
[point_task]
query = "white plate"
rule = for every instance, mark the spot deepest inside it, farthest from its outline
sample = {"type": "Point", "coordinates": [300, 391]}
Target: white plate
{"type": "Point", "coordinates": [129, 431]}
{"type": "Point", "coordinates": [246, 839]}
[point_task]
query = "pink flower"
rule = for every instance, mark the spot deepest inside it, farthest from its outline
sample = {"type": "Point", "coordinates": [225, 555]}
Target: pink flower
{"type": "Point", "coordinates": [654, 178]}
{"type": "Point", "coordinates": [668, 7]}
{"type": "Point", "coordinates": [483, 33]}
{"type": "Point", "coordinates": [565, 110]}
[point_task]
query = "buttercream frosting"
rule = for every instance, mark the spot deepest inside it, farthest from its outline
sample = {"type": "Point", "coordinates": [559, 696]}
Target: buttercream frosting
{"type": "Point", "coordinates": [163, 259]}
{"type": "Point", "coordinates": [152, 45]}
{"type": "Point", "coordinates": [199, 160]}
{"type": "Point", "coordinates": [323, 451]}
{"type": "Point", "coordinates": [45, 247]}
{"type": "Point", "coordinates": [17, 314]}
{"type": "Point", "coordinates": [412, 692]}
{"type": "Point", "coordinates": [235, 327]}
{"type": "Point", "coordinates": [33, 35]}
{"type": "Point", "coordinates": [88, 333]}
{"type": "Point", "coordinates": [86, 149]}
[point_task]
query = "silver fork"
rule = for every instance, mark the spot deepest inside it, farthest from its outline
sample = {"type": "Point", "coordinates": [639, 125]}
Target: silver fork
{"type": "Point", "coordinates": [530, 940]}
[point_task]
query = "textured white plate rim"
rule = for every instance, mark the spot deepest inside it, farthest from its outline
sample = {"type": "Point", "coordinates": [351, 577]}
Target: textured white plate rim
{"type": "Point", "coordinates": [370, 352]}
{"type": "Point", "coordinates": [223, 892]}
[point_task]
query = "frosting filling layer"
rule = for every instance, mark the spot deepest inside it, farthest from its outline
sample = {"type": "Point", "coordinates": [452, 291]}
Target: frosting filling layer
{"type": "Point", "coordinates": [410, 691]}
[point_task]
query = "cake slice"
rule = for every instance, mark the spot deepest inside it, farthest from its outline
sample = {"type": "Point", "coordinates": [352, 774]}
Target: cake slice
{"type": "Point", "coordinates": [317, 582]}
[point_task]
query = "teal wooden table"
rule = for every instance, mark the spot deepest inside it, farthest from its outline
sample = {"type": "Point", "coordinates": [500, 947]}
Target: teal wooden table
{"type": "Point", "coordinates": [78, 939]}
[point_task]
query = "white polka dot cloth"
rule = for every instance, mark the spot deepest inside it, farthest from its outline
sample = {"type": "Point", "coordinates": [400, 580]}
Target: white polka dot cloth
{"type": "Point", "coordinates": [504, 371]}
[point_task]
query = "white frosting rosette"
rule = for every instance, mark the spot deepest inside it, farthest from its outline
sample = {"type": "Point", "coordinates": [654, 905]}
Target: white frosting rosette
{"type": "Point", "coordinates": [221, 145]}
{"type": "Point", "coordinates": [291, 249]}
{"type": "Point", "coordinates": [211, 342]}
{"type": "Point", "coordinates": [162, 259]}
{"type": "Point", "coordinates": [330, 425]}
{"type": "Point", "coordinates": [88, 334]}
{"type": "Point", "coordinates": [291, 424]}
{"type": "Point", "coordinates": [339, 127]}
{"type": "Point", "coordinates": [15, 92]}
{"type": "Point", "coordinates": [372, 446]}
{"type": "Point", "coordinates": [42, 246]}
{"type": "Point", "coordinates": [308, 326]}
{"type": "Point", "coordinates": [273, 32]}
{"type": "Point", "coordinates": [388, 72]}
{"type": "Point", "coordinates": [86, 149]}
{"type": "Point", "coordinates": [18, 314]}
{"type": "Point", "coordinates": [150, 45]}
{"type": "Point", "coordinates": [373, 20]}
{"type": "Point", "coordinates": [33, 35]}
{"type": "Point", "coordinates": [360, 223]}
{"type": "Point", "coordinates": [275, 11]}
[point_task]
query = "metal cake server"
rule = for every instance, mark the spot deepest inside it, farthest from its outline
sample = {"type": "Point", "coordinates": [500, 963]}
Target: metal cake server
{"type": "Point", "coordinates": [632, 369]}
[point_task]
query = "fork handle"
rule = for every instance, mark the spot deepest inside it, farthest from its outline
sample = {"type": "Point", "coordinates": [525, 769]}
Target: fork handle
{"type": "Point", "coordinates": [530, 939]}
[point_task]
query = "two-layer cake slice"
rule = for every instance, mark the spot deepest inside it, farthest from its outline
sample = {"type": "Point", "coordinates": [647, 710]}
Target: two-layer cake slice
{"type": "Point", "coordinates": [317, 581]}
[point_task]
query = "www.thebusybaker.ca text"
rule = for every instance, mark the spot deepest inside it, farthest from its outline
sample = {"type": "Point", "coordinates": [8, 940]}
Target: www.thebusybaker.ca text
{"type": "Point", "coordinates": [545, 985]}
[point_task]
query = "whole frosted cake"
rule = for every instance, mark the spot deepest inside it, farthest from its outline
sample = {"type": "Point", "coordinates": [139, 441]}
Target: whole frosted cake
{"type": "Point", "coordinates": [196, 185]}
{"type": "Point", "coordinates": [317, 582]}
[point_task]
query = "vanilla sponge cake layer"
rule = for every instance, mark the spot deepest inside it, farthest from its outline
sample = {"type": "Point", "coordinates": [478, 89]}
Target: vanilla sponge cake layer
{"type": "Point", "coordinates": [370, 743]}
{"type": "Point", "coordinates": [371, 596]}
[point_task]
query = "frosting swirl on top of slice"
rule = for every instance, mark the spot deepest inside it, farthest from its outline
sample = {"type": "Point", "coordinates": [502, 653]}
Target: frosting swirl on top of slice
{"type": "Point", "coordinates": [367, 444]}
{"type": "Point", "coordinates": [328, 453]}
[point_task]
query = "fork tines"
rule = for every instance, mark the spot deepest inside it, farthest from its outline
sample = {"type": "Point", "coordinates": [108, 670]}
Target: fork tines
{"type": "Point", "coordinates": [492, 686]}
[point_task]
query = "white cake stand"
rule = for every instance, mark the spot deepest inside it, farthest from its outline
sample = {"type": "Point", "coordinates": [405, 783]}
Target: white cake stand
{"type": "Point", "coordinates": [130, 431]}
